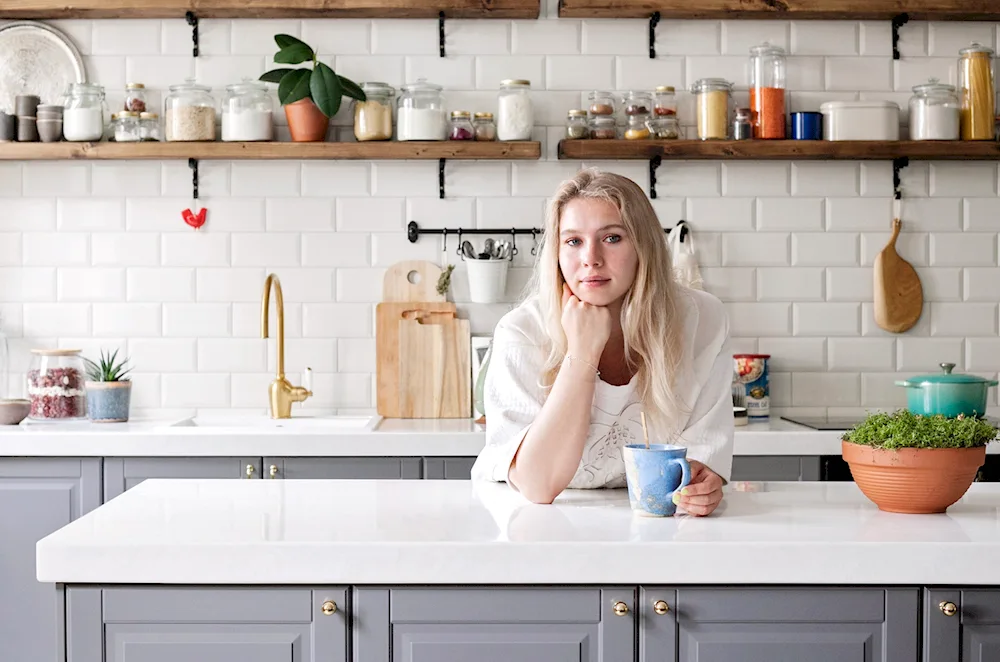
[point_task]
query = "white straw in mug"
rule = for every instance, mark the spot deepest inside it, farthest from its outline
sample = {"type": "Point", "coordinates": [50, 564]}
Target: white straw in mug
{"type": "Point", "coordinates": [645, 434]}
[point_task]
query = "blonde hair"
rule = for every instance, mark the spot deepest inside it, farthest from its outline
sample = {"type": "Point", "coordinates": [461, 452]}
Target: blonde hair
{"type": "Point", "coordinates": [650, 320]}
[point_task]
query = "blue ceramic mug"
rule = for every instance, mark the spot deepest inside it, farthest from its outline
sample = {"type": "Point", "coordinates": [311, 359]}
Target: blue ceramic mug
{"type": "Point", "coordinates": [653, 475]}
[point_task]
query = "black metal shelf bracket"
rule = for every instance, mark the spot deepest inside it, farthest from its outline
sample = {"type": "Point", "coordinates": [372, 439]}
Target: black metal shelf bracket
{"type": "Point", "coordinates": [653, 20]}
{"type": "Point", "coordinates": [441, 33]}
{"type": "Point", "coordinates": [192, 20]}
{"type": "Point", "coordinates": [193, 164]}
{"type": "Point", "coordinates": [441, 178]}
{"type": "Point", "coordinates": [654, 163]}
{"type": "Point", "coordinates": [898, 164]}
{"type": "Point", "coordinates": [898, 21]}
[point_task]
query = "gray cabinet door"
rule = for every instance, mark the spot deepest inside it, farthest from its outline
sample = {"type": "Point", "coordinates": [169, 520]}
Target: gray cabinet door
{"type": "Point", "coordinates": [123, 473]}
{"type": "Point", "coordinates": [448, 468]}
{"type": "Point", "coordinates": [778, 625]}
{"type": "Point", "coordinates": [342, 467]}
{"type": "Point", "coordinates": [192, 624]}
{"type": "Point", "coordinates": [37, 496]}
{"type": "Point", "coordinates": [776, 467]}
{"type": "Point", "coordinates": [961, 625]}
{"type": "Point", "coordinates": [494, 625]}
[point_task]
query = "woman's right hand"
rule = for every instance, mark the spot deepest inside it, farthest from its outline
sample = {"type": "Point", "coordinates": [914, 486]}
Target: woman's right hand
{"type": "Point", "coordinates": [587, 327]}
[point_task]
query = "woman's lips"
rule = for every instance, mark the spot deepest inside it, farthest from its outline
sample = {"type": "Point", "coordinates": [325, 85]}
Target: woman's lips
{"type": "Point", "coordinates": [595, 282]}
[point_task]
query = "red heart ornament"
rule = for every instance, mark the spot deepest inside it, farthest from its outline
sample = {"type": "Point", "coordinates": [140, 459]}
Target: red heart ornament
{"type": "Point", "coordinates": [195, 221]}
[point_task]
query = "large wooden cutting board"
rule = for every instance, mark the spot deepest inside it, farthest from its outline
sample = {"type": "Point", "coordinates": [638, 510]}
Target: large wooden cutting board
{"type": "Point", "coordinates": [434, 378]}
{"type": "Point", "coordinates": [899, 297]}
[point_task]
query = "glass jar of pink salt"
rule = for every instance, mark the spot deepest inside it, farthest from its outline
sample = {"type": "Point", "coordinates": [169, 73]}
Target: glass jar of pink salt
{"type": "Point", "coordinates": [56, 385]}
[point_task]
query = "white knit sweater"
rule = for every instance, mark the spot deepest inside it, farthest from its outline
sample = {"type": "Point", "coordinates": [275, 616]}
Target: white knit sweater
{"type": "Point", "coordinates": [513, 397]}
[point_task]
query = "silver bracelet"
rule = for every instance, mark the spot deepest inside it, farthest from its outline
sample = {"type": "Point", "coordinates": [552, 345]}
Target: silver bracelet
{"type": "Point", "coordinates": [570, 357]}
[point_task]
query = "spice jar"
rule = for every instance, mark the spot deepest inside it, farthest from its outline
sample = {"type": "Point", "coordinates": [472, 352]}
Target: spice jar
{"type": "Point", "coordinates": [56, 384]}
{"type": "Point", "coordinates": [373, 117]}
{"type": "Point", "coordinates": [638, 103]}
{"type": "Point", "coordinates": [461, 126]}
{"type": "Point", "coordinates": [190, 113]}
{"type": "Point", "coordinates": [602, 127]}
{"type": "Point", "coordinates": [601, 103]}
{"type": "Point", "coordinates": [977, 82]}
{"type": "Point", "coordinates": [665, 101]}
{"type": "Point", "coordinates": [149, 127]}
{"type": "Point", "coordinates": [484, 126]}
{"type": "Point", "coordinates": [515, 114]}
{"type": "Point", "coordinates": [83, 115]}
{"type": "Point", "coordinates": [767, 91]}
{"type": "Point", "coordinates": [247, 113]}
{"type": "Point", "coordinates": [664, 128]}
{"type": "Point", "coordinates": [935, 112]}
{"type": "Point", "coordinates": [637, 129]}
{"type": "Point", "coordinates": [576, 125]}
{"type": "Point", "coordinates": [743, 124]}
{"type": "Point", "coordinates": [126, 127]}
{"type": "Point", "coordinates": [420, 112]}
{"type": "Point", "coordinates": [712, 99]}
{"type": "Point", "coordinates": [135, 98]}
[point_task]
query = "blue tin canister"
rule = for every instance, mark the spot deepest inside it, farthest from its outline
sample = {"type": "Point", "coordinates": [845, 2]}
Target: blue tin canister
{"type": "Point", "coordinates": [807, 126]}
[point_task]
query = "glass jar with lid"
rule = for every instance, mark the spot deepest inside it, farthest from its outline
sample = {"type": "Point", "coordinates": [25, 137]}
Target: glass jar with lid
{"type": "Point", "coordinates": [637, 128]}
{"type": "Point", "coordinates": [149, 127]}
{"type": "Point", "coordinates": [247, 113]}
{"type": "Point", "coordinates": [713, 97]}
{"type": "Point", "coordinates": [135, 98]}
{"type": "Point", "coordinates": [56, 385]}
{"type": "Point", "coordinates": [664, 128]}
{"type": "Point", "coordinates": [977, 82]}
{"type": "Point", "coordinates": [515, 114]}
{"type": "Point", "coordinates": [189, 113]}
{"type": "Point", "coordinates": [84, 112]}
{"type": "Point", "coordinates": [638, 103]}
{"type": "Point", "coordinates": [461, 126]}
{"type": "Point", "coordinates": [126, 127]}
{"type": "Point", "coordinates": [373, 117]}
{"type": "Point", "coordinates": [743, 124]}
{"type": "Point", "coordinates": [601, 103]}
{"type": "Point", "coordinates": [576, 125]}
{"type": "Point", "coordinates": [485, 126]}
{"type": "Point", "coordinates": [603, 127]}
{"type": "Point", "coordinates": [935, 112]}
{"type": "Point", "coordinates": [665, 101]}
{"type": "Point", "coordinates": [767, 91]}
{"type": "Point", "coordinates": [420, 112]}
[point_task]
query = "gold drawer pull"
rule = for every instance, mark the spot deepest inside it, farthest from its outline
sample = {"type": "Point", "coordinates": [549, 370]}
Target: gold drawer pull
{"type": "Point", "coordinates": [329, 607]}
{"type": "Point", "coordinates": [661, 607]}
{"type": "Point", "coordinates": [620, 608]}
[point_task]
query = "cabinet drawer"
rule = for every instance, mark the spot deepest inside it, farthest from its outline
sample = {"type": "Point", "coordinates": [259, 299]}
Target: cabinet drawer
{"type": "Point", "coordinates": [778, 605]}
{"type": "Point", "coordinates": [216, 605]}
{"type": "Point", "coordinates": [980, 606]}
{"type": "Point", "coordinates": [565, 642]}
{"type": "Point", "coordinates": [448, 468]}
{"type": "Point", "coordinates": [342, 467]}
{"type": "Point", "coordinates": [501, 605]}
{"type": "Point", "coordinates": [207, 643]}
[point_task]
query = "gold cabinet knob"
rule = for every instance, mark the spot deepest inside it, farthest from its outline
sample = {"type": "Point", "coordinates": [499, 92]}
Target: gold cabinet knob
{"type": "Point", "coordinates": [661, 607]}
{"type": "Point", "coordinates": [948, 608]}
{"type": "Point", "coordinates": [620, 608]}
{"type": "Point", "coordinates": [274, 470]}
{"type": "Point", "coordinates": [249, 471]}
{"type": "Point", "coordinates": [329, 607]}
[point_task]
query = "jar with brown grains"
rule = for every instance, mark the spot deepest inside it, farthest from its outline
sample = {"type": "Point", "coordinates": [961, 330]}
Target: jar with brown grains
{"type": "Point", "coordinates": [601, 103]}
{"type": "Point", "coordinates": [638, 103]}
{"type": "Point", "coordinates": [603, 128]}
{"type": "Point", "coordinates": [190, 113]}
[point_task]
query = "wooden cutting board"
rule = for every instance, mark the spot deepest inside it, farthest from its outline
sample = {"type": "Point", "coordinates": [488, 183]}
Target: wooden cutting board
{"type": "Point", "coordinates": [899, 297]}
{"type": "Point", "coordinates": [434, 377]}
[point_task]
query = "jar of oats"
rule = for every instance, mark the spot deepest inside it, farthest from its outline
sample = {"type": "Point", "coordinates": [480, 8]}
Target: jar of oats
{"type": "Point", "coordinates": [189, 113]}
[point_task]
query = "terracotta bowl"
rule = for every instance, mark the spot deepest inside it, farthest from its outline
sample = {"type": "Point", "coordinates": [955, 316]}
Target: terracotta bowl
{"type": "Point", "coordinates": [913, 480]}
{"type": "Point", "coordinates": [13, 412]}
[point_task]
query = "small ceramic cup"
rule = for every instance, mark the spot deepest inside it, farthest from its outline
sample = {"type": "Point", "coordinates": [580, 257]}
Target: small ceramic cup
{"type": "Point", "coordinates": [27, 130]}
{"type": "Point", "coordinates": [653, 475]}
{"type": "Point", "coordinates": [50, 131]}
{"type": "Point", "coordinates": [8, 127]}
{"type": "Point", "coordinates": [26, 105]}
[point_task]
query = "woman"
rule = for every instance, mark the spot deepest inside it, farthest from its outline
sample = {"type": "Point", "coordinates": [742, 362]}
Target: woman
{"type": "Point", "coordinates": [606, 335]}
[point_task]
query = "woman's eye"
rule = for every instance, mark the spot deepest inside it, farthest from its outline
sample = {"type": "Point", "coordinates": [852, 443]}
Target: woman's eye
{"type": "Point", "coordinates": [613, 238]}
{"type": "Point", "coordinates": [572, 242]}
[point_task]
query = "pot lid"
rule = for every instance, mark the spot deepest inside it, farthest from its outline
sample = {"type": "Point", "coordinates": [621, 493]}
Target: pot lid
{"type": "Point", "coordinates": [946, 377]}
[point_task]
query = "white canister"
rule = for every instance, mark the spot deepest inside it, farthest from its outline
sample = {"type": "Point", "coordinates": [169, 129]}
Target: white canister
{"type": "Point", "coordinates": [487, 280]}
{"type": "Point", "coordinates": [860, 120]}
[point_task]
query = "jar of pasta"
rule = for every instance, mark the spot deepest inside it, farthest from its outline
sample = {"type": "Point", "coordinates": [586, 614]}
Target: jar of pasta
{"type": "Point", "coordinates": [713, 97]}
{"type": "Point", "coordinates": [373, 117]}
{"type": "Point", "coordinates": [977, 85]}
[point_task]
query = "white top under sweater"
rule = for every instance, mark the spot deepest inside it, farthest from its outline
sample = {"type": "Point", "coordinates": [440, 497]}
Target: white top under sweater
{"type": "Point", "coordinates": [513, 397]}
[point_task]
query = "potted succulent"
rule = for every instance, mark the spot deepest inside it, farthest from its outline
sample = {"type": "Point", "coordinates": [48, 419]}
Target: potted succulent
{"type": "Point", "coordinates": [908, 463]}
{"type": "Point", "coordinates": [108, 389]}
{"type": "Point", "coordinates": [310, 97]}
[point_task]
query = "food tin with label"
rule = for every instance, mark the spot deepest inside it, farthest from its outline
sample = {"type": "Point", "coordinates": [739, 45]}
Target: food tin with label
{"type": "Point", "coordinates": [753, 374]}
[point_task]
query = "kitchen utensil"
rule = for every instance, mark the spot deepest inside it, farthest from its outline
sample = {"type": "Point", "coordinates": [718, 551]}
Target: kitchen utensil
{"type": "Point", "coordinates": [488, 247]}
{"type": "Point", "coordinates": [434, 371]}
{"type": "Point", "coordinates": [946, 393]}
{"type": "Point", "coordinates": [653, 475]}
{"type": "Point", "coordinates": [898, 294]}
{"type": "Point", "coordinates": [645, 432]}
{"type": "Point", "coordinates": [37, 59]}
{"type": "Point", "coordinates": [468, 251]}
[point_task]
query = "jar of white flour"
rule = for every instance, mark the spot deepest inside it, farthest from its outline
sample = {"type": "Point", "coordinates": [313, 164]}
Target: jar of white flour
{"type": "Point", "coordinates": [83, 116]}
{"type": "Point", "coordinates": [420, 114]}
{"type": "Point", "coordinates": [515, 115]}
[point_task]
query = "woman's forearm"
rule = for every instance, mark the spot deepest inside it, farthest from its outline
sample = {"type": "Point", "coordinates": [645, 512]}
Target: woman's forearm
{"type": "Point", "coordinates": [550, 454]}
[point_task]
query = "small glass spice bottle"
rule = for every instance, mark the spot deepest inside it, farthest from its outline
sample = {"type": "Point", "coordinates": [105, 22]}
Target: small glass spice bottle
{"type": "Point", "coordinates": [485, 126]}
{"type": "Point", "coordinates": [637, 128]}
{"type": "Point", "coordinates": [126, 127]}
{"type": "Point", "coordinates": [135, 97]}
{"type": "Point", "coordinates": [601, 103]}
{"type": "Point", "coordinates": [602, 127]}
{"type": "Point", "coordinates": [743, 124]}
{"type": "Point", "coordinates": [576, 125]}
{"type": "Point", "coordinates": [638, 103]}
{"type": "Point", "coordinates": [461, 126]}
{"type": "Point", "coordinates": [665, 101]}
{"type": "Point", "coordinates": [149, 127]}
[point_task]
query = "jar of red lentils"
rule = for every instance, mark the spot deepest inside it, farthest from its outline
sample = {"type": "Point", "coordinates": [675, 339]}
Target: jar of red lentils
{"type": "Point", "coordinates": [56, 385]}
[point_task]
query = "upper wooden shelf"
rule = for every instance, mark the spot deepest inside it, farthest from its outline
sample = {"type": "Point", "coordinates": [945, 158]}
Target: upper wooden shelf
{"type": "Point", "coordinates": [268, 8]}
{"type": "Point", "coordinates": [779, 149]}
{"type": "Point", "coordinates": [920, 10]}
{"type": "Point", "coordinates": [270, 151]}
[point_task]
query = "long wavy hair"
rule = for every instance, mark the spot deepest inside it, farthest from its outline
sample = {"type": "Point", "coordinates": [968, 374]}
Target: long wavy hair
{"type": "Point", "coordinates": [650, 320]}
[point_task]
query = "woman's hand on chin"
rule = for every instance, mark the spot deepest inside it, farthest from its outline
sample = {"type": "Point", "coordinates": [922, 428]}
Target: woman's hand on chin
{"type": "Point", "coordinates": [587, 327]}
{"type": "Point", "coordinates": [703, 494]}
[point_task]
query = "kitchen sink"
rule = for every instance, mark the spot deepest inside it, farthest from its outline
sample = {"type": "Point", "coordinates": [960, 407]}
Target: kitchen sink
{"type": "Point", "coordinates": [325, 424]}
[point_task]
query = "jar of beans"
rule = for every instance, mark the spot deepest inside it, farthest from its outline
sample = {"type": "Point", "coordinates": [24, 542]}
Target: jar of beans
{"type": "Point", "coordinates": [576, 125]}
{"type": "Point", "coordinates": [603, 127]}
{"type": "Point", "coordinates": [56, 385]}
{"type": "Point", "coordinates": [665, 101]}
{"type": "Point", "coordinates": [601, 103]}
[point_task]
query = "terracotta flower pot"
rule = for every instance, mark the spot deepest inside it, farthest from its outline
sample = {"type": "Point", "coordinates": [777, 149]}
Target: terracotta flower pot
{"type": "Point", "coordinates": [306, 122]}
{"type": "Point", "coordinates": [913, 480]}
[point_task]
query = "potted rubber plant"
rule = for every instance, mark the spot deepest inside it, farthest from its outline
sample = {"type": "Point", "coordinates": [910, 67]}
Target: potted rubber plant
{"type": "Point", "coordinates": [908, 463]}
{"type": "Point", "coordinates": [310, 97]}
{"type": "Point", "coordinates": [109, 389]}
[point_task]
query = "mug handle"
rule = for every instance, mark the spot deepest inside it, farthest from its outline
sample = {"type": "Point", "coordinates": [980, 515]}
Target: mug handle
{"type": "Point", "coordinates": [685, 471]}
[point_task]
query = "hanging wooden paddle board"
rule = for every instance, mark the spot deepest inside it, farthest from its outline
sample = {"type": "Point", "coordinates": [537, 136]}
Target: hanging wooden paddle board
{"type": "Point", "coordinates": [899, 297]}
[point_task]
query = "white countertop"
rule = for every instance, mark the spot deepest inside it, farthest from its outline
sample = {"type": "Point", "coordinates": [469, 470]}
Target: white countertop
{"type": "Point", "coordinates": [329, 437]}
{"type": "Point", "coordinates": [460, 532]}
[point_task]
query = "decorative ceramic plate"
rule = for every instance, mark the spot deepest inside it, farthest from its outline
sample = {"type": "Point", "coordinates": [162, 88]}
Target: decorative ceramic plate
{"type": "Point", "coordinates": [36, 59]}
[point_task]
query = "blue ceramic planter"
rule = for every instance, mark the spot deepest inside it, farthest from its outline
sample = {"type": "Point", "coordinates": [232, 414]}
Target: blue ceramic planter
{"type": "Point", "coordinates": [653, 475]}
{"type": "Point", "coordinates": [947, 394]}
{"type": "Point", "coordinates": [108, 402]}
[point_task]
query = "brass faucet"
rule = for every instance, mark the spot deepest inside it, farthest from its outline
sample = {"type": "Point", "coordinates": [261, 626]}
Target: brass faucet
{"type": "Point", "coordinates": [280, 394]}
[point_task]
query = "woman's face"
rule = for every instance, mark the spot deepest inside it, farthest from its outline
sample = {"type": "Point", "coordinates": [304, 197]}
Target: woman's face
{"type": "Point", "coordinates": [596, 257]}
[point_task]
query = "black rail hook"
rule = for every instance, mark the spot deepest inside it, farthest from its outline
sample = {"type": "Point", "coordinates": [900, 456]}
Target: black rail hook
{"type": "Point", "coordinates": [192, 20]}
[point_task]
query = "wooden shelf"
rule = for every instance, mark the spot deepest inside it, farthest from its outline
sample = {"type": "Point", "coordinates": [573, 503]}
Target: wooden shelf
{"type": "Point", "coordinates": [779, 149]}
{"type": "Point", "coordinates": [268, 8]}
{"type": "Point", "coordinates": [389, 150]}
{"type": "Point", "coordinates": [920, 10]}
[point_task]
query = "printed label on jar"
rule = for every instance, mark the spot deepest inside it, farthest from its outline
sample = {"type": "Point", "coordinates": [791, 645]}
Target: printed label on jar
{"type": "Point", "coordinates": [752, 371]}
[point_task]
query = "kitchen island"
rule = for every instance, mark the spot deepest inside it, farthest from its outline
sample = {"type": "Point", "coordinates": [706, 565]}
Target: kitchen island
{"type": "Point", "coordinates": [422, 571]}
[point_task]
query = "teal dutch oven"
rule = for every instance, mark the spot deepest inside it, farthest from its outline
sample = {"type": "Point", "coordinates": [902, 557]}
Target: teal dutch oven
{"type": "Point", "coordinates": [947, 394]}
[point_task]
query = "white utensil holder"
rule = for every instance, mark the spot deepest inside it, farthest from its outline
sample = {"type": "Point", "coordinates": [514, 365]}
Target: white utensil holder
{"type": "Point", "coordinates": [487, 280]}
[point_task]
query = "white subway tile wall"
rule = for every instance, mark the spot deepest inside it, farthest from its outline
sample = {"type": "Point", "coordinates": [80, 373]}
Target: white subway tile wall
{"type": "Point", "coordinates": [97, 255]}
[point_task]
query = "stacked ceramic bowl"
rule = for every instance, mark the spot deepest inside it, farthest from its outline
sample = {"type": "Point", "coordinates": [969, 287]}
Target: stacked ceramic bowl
{"type": "Point", "coordinates": [50, 123]}
{"type": "Point", "coordinates": [26, 105]}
